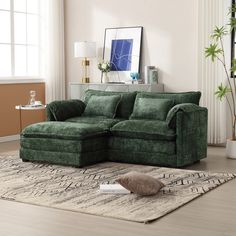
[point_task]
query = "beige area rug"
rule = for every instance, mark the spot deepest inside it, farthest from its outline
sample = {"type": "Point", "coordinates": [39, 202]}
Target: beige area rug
{"type": "Point", "coordinates": [77, 189]}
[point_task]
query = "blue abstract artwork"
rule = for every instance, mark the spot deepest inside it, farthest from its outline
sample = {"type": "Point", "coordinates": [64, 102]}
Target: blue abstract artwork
{"type": "Point", "coordinates": [121, 54]}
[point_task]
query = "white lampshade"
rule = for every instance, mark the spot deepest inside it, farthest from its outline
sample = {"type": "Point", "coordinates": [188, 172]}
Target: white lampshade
{"type": "Point", "coordinates": [85, 49]}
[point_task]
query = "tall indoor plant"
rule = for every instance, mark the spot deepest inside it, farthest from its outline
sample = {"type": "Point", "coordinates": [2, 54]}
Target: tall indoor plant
{"type": "Point", "coordinates": [216, 52]}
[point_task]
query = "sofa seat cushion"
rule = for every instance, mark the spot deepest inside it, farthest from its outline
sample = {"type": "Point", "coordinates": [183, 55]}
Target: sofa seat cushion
{"type": "Point", "coordinates": [130, 145]}
{"type": "Point", "coordinates": [62, 145]}
{"type": "Point", "coordinates": [63, 130]}
{"type": "Point", "coordinates": [101, 121]}
{"type": "Point", "coordinates": [144, 129]}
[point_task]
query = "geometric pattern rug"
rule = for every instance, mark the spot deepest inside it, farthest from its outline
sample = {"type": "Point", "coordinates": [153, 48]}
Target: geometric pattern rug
{"type": "Point", "coordinates": [76, 189]}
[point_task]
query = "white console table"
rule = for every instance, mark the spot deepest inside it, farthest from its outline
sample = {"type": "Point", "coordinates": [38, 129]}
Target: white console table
{"type": "Point", "coordinates": [77, 90]}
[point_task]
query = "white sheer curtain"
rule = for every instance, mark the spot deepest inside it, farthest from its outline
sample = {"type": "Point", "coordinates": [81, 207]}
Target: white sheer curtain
{"type": "Point", "coordinates": [52, 42]}
{"type": "Point", "coordinates": [212, 13]}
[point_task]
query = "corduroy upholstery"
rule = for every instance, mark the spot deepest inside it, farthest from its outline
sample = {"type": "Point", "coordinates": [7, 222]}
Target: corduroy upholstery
{"type": "Point", "coordinates": [70, 137]}
{"type": "Point", "coordinates": [101, 121]}
{"type": "Point", "coordinates": [151, 108]}
{"type": "Point", "coordinates": [102, 106]}
{"type": "Point", "coordinates": [144, 129]}
{"type": "Point", "coordinates": [178, 98]}
{"type": "Point", "coordinates": [80, 143]}
{"type": "Point", "coordinates": [125, 107]}
{"type": "Point", "coordinates": [62, 110]}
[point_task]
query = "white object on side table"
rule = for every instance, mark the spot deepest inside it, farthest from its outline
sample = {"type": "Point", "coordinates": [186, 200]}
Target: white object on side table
{"type": "Point", "coordinates": [28, 107]}
{"type": "Point", "coordinates": [77, 90]}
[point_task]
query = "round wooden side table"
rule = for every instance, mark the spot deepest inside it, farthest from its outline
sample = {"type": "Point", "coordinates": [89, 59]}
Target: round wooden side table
{"type": "Point", "coordinates": [29, 108]}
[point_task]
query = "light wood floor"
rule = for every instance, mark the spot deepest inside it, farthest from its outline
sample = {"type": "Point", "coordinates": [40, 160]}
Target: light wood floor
{"type": "Point", "coordinates": [212, 214]}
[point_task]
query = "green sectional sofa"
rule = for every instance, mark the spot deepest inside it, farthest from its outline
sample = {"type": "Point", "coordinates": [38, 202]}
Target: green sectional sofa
{"type": "Point", "coordinates": [164, 129]}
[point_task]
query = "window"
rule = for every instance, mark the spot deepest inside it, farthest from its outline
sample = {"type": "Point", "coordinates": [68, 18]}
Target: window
{"type": "Point", "coordinates": [19, 38]}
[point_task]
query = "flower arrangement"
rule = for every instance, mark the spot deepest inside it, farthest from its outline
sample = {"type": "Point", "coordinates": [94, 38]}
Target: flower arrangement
{"type": "Point", "coordinates": [104, 67]}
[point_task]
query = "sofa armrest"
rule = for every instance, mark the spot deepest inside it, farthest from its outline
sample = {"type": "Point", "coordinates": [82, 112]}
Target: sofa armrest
{"type": "Point", "coordinates": [62, 110]}
{"type": "Point", "coordinates": [184, 107]}
{"type": "Point", "coordinates": [191, 132]}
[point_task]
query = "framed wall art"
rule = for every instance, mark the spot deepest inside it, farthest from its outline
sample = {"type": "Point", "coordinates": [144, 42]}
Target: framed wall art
{"type": "Point", "coordinates": [122, 48]}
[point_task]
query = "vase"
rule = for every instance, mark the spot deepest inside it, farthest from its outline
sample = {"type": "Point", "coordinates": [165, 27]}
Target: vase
{"type": "Point", "coordinates": [105, 78]}
{"type": "Point", "coordinates": [231, 149]}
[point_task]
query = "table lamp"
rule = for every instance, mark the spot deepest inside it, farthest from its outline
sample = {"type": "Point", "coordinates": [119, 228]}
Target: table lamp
{"type": "Point", "coordinates": [85, 50]}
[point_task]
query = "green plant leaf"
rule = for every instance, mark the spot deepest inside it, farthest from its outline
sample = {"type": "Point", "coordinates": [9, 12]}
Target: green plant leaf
{"type": "Point", "coordinates": [222, 91]}
{"type": "Point", "coordinates": [213, 51]}
{"type": "Point", "coordinates": [219, 32]}
{"type": "Point", "coordinates": [232, 23]}
{"type": "Point", "coordinates": [232, 9]}
{"type": "Point", "coordinates": [233, 68]}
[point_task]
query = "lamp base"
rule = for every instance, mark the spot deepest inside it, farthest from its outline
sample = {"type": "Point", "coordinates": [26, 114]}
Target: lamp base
{"type": "Point", "coordinates": [85, 80]}
{"type": "Point", "coordinates": [85, 62]}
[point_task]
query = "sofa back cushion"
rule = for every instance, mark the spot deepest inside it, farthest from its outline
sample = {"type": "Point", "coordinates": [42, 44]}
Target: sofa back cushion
{"type": "Point", "coordinates": [125, 107]}
{"type": "Point", "coordinates": [178, 98]}
{"type": "Point", "coordinates": [151, 108]}
{"type": "Point", "coordinates": [102, 106]}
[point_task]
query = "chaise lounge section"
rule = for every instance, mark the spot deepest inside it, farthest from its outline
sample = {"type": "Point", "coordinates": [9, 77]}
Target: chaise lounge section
{"type": "Point", "coordinates": [164, 129]}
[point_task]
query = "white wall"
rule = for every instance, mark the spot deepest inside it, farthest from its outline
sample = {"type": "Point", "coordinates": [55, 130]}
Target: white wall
{"type": "Point", "coordinates": [169, 40]}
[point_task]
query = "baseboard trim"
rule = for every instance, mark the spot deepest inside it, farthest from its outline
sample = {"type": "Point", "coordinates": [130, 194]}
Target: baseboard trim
{"type": "Point", "coordinates": [9, 138]}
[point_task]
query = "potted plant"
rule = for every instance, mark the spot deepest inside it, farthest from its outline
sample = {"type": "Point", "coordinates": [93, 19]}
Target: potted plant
{"type": "Point", "coordinates": [216, 52]}
{"type": "Point", "coordinates": [104, 67]}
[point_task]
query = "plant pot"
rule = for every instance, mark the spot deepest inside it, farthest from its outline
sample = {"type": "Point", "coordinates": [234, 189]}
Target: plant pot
{"type": "Point", "coordinates": [231, 149]}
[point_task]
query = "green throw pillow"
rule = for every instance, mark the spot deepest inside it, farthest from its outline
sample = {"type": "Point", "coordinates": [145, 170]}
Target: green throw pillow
{"type": "Point", "coordinates": [102, 106]}
{"type": "Point", "coordinates": [125, 106]}
{"type": "Point", "coordinates": [151, 108]}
